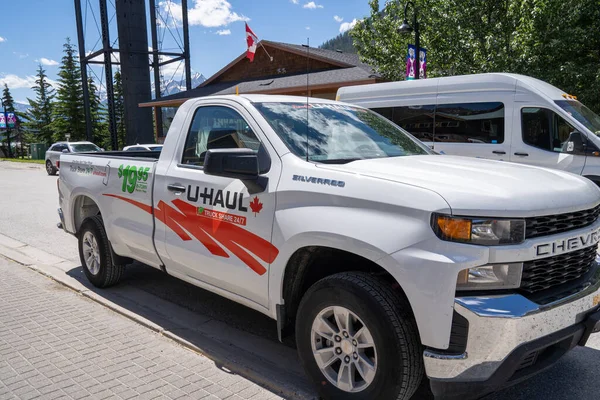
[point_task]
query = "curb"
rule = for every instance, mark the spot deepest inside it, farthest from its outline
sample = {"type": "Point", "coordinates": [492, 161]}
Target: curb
{"type": "Point", "coordinates": [14, 250]}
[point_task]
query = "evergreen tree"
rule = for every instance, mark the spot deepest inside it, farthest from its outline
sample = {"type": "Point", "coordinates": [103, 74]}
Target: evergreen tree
{"type": "Point", "coordinates": [98, 116]}
{"type": "Point", "coordinates": [69, 115]}
{"type": "Point", "coordinates": [9, 107]}
{"type": "Point", "coordinates": [119, 110]}
{"type": "Point", "coordinates": [39, 114]}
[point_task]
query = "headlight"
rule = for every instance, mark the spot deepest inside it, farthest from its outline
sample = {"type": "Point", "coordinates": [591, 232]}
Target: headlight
{"type": "Point", "coordinates": [482, 231]}
{"type": "Point", "coordinates": [493, 276]}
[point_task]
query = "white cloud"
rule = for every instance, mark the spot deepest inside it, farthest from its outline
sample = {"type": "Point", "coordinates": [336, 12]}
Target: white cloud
{"type": "Point", "coordinates": [308, 28]}
{"type": "Point", "coordinates": [17, 82]}
{"type": "Point", "coordinates": [312, 5]}
{"type": "Point", "coordinates": [338, 18]}
{"type": "Point", "coordinates": [46, 61]}
{"type": "Point", "coordinates": [207, 13]}
{"type": "Point", "coordinates": [294, 1]}
{"type": "Point", "coordinates": [346, 26]}
{"type": "Point", "coordinates": [2, 39]}
{"type": "Point", "coordinates": [224, 32]}
{"type": "Point", "coordinates": [21, 55]}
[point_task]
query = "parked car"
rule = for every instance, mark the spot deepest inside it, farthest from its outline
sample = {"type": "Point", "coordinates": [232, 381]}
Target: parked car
{"type": "Point", "coordinates": [143, 147]}
{"type": "Point", "coordinates": [54, 152]}
{"type": "Point", "coordinates": [505, 117]}
{"type": "Point", "coordinates": [388, 261]}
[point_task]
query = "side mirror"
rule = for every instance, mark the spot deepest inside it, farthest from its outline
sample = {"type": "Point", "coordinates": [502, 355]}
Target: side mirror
{"type": "Point", "coordinates": [232, 163]}
{"type": "Point", "coordinates": [575, 144]}
{"type": "Point", "coordinates": [65, 150]}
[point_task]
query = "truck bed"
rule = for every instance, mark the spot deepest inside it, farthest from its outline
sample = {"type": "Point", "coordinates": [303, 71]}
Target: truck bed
{"type": "Point", "coordinates": [154, 155]}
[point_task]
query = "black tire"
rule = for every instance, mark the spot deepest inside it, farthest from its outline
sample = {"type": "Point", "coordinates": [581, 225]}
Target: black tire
{"type": "Point", "coordinates": [109, 273]}
{"type": "Point", "coordinates": [50, 169]}
{"type": "Point", "coordinates": [387, 315]}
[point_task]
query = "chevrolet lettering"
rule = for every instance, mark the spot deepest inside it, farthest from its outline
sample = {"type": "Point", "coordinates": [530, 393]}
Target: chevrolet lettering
{"type": "Point", "coordinates": [566, 245]}
{"type": "Point", "coordinates": [373, 281]}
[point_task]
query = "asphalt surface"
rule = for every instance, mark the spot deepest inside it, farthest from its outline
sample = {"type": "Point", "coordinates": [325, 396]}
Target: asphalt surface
{"type": "Point", "coordinates": [28, 203]}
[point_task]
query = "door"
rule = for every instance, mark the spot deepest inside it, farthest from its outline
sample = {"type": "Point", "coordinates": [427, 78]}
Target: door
{"type": "Point", "coordinates": [217, 230]}
{"type": "Point", "coordinates": [542, 140]}
{"type": "Point", "coordinates": [474, 127]}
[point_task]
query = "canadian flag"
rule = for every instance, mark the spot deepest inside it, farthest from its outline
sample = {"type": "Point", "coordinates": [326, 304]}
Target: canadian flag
{"type": "Point", "coordinates": [252, 41]}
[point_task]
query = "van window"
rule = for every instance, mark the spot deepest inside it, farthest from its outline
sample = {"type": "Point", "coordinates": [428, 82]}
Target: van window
{"type": "Point", "coordinates": [470, 123]}
{"type": "Point", "coordinates": [544, 129]}
{"type": "Point", "coordinates": [417, 120]}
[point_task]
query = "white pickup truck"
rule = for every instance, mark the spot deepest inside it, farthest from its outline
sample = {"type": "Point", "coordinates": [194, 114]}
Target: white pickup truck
{"type": "Point", "coordinates": [390, 263]}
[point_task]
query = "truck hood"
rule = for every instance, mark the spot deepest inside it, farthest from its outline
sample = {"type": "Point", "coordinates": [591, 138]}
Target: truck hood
{"type": "Point", "coordinates": [480, 187]}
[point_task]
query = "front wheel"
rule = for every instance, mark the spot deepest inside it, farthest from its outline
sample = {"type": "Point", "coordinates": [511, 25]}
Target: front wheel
{"type": "Point", "coordinates": [96, 254]}
{"type": "Point", "coordinates": [50, 168]}
{"type": "Point", "coordinates": [357, 339]}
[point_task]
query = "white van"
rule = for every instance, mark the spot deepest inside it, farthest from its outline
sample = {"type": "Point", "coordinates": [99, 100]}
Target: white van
{"type": "Point", "coordinates": [496, 116]}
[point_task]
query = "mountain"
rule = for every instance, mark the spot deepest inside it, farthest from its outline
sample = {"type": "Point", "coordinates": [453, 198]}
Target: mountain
{"type": "Point", "coordinates": [21, 107]}
{"type": "Point", "coordinates": [342, 42]}
{"type": "Point", "coordinates": [175, 86]}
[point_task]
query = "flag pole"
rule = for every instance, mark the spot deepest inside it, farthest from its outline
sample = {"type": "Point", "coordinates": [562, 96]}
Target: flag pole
{"type": "Point", "coordinates": [263, 46]}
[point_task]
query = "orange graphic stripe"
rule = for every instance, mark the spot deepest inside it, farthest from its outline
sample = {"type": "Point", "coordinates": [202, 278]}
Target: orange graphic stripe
{"type": "Point", "coordinates": [237, 240]}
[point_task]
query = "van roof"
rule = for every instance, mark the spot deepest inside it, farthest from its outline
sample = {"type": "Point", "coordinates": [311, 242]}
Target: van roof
{"type": "Point", "coordinates": [451, 84]}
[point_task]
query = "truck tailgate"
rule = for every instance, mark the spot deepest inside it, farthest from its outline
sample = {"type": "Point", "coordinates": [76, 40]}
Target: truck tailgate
{"type": "Point", "coordinates": [112, 183]}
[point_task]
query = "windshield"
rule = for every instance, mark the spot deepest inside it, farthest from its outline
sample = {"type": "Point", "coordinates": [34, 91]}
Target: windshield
{"type": "Point", "coordinates": [84, 147]}
{"type": "Point", "coordinates": [338, 133]}
{"type": "Point", "coordinates": [582, 114]}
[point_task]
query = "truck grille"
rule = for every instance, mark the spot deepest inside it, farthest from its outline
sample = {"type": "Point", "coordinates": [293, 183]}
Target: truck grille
{"type": "Point", "coordinates": [551, 224]}
{"type": "Point", "coordinates": [553, 271]}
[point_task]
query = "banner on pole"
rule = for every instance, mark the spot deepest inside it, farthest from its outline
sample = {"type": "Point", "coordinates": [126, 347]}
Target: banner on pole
{"type": "Point", "coordinates": [411, 63]}
{"type": "Point", "coordinates": [2, 121]}
{"type": "Point", "coordinates": [11, 120]}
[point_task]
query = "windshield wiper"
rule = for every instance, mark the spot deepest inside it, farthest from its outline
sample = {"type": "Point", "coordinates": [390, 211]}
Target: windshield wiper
{"type": "Point", "coordinates": [338, 160]}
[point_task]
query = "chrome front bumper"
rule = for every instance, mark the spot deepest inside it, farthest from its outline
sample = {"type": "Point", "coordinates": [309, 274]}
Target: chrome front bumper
{"type": "Point", "coordinates": [500, 324]}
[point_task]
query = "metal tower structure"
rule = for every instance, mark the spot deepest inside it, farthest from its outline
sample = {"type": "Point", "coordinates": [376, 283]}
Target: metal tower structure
{"type": "Point", "coordinates": [133, 57]}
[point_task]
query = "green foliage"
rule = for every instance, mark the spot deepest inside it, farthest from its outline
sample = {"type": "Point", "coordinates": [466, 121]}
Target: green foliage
{"type": "Point", "coordinates": [342, 42]}
{"type": "Point", "coordinates": [9, 106]}
{"type": "Point", "coordinates": [38, 118]}
{"type": "Point", "coordinates": [98, 116]}
{"type": "Point", "coordinates": [69, 115]}
{"type": "Point", "coordinates": [558, 42]}
{"type": "Point", "coordinates": [119, 110]}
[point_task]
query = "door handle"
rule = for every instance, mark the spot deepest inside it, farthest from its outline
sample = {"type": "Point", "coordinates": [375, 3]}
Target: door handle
{"type": "Point", "coordinates": [498, 152]}
{"type": "Point", "coordinates": [176, 188]}
{"type": "Point", "coordinates": [521, 154]}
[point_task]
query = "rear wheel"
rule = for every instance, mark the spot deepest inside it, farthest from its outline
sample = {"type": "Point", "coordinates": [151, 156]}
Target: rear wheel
{"type": "Point", "coordinates": [96, 254]}
{"type": "Point", "coordinates": [357, 339]}
{"type": "Point", "coordinates": [50, 169]}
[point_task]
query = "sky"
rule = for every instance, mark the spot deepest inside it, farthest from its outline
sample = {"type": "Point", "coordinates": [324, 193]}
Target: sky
{"type": "Point", "coordinates": [33, 32]}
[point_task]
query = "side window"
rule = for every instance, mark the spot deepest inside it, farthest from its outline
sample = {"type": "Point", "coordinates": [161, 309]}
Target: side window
{"type": "Point", "coordinates": [470, 123]}
{"type": "Point", "coordinates": [544, 129]}
{"type": "Point", "coordinates": [54, 148]}
{"type": "Point", "coordinates": [417, 120]}
{"type": "Point", "coordinates": [216, 127]}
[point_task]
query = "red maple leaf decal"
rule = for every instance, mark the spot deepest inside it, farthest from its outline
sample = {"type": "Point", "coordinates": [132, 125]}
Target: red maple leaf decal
{"type": "Point", "coordinates": [256, 205]}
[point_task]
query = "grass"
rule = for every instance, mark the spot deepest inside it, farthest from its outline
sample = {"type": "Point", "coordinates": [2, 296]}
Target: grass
{"type": "Point", "coordinates": [24, 160]}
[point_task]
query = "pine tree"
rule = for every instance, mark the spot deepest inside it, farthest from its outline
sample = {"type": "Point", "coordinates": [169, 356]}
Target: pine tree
{"type": "Point", "coordinates": [119, 110]}
{"type": "Point", "coordinates": [69, 115]}
{"type": "Point", "coordinates": [39, 114]}
{"type": "Point", "coordinates": [98, 116]}
{"type": "Point", "coordinates": [9, 107]}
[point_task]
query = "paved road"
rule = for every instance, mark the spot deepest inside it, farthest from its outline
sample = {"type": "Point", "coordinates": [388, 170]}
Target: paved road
{"type": "Point", "coordinates": [28, 214]}
{"type": "Point", "coordinates": [56, 344]}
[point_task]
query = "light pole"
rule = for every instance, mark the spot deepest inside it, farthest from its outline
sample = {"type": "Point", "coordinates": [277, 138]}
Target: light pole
{"type": "Point", "coordinates": [406, 28]}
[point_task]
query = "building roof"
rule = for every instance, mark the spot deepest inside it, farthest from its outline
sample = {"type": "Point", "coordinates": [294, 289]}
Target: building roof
{"type": "Point", "coordinates": [346, 69]}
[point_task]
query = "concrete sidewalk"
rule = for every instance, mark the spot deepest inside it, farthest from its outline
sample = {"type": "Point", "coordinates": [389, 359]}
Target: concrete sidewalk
{"type": "Point", "coordinates": [55, 343]}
